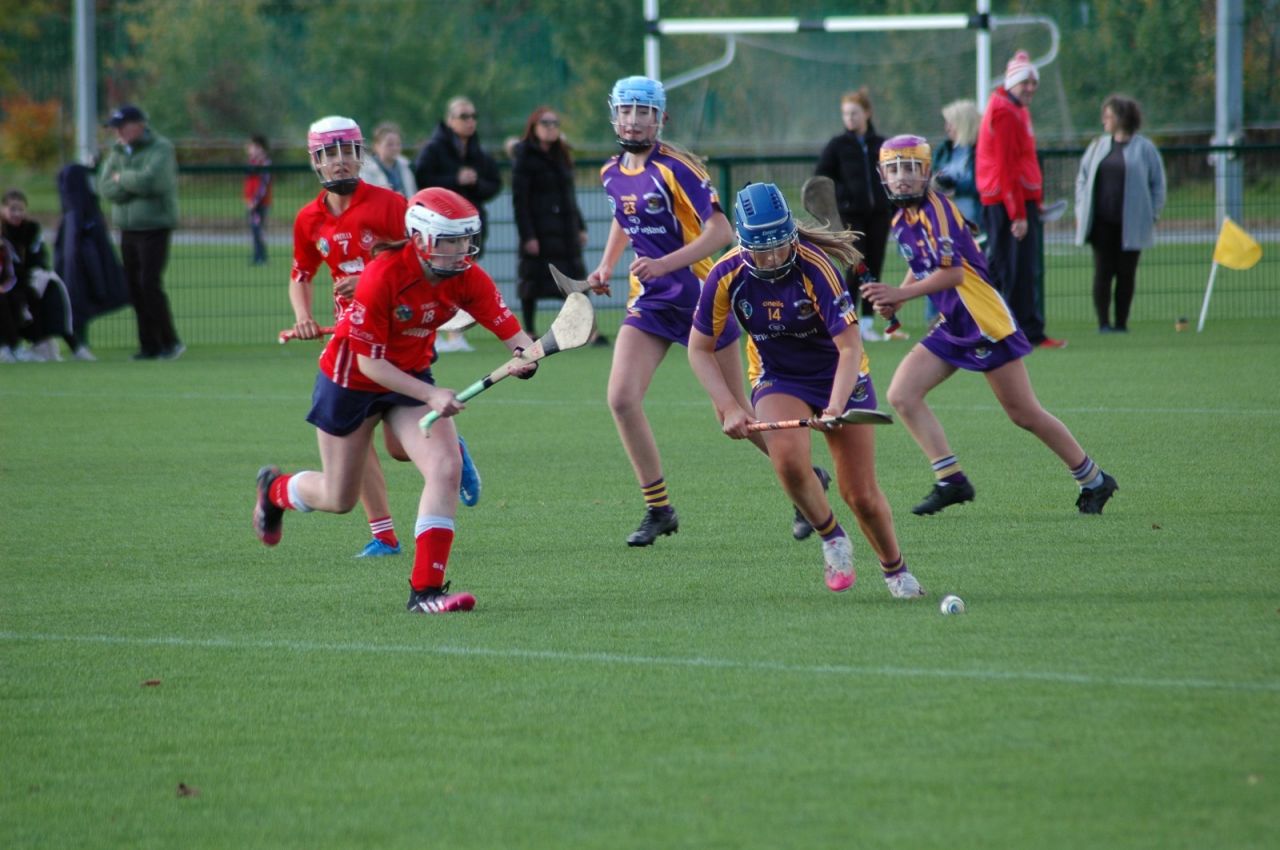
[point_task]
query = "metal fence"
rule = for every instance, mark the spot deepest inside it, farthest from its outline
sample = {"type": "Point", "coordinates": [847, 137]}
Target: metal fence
{"type": "Point", "coordinates": [219, 297]}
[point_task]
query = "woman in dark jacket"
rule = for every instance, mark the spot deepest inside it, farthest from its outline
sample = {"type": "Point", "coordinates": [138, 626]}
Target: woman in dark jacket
{"type": "Point", "coordinates": [851, 160]}
{"type": "Point", "coordinates": [549, 222]}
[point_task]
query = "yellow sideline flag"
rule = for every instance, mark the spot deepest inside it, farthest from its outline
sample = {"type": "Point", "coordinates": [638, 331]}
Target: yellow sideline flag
{"type": "Point", "coordinates": [1236, 249]}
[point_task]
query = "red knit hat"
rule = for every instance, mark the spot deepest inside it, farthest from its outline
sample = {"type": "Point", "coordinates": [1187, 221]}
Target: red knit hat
{"type": "Point", "coordinates": [1019, 69]}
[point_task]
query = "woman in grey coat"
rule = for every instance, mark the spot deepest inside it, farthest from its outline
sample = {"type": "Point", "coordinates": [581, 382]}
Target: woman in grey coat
{"type": "Point", "coordinates": [1120, 192]}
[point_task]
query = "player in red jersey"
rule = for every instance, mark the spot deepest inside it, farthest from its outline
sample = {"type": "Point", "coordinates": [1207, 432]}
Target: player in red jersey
{"type": "Point", "coordinates": [339, 229]}
{"type": "Point", "coordinates": [377, 368]}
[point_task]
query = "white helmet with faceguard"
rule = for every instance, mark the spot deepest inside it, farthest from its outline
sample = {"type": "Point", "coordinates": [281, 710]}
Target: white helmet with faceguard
{"type": "Point", "coordinates": [449, 229]}
{"type": "Point", "coordinates": [336, 147]}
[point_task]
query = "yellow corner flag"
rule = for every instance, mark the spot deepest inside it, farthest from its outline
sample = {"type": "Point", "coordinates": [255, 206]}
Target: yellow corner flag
{"type": "Point", "coordinates": [1236, 249]}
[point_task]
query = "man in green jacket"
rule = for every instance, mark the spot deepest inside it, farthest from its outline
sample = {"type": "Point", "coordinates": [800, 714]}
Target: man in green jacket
{"type": "Point", "coordinates": [139, 175]}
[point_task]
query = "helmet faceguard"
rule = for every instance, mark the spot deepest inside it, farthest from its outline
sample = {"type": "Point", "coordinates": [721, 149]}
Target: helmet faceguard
{"type": "Point", "coordinates": [638, 110]}
{"type": "Point", "coordinates": [905, 163]}
{"type": "Point", "coordinates": [766, 231]}
{"type": "Point", "coordinates": [336, 148]}
{"type": "Point", "coordinates": [449, 227]}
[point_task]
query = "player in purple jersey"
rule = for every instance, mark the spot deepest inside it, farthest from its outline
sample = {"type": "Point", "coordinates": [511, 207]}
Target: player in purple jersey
{"type": "Point", "coordinates": [665, 206]}
{"type": "Point", "coordinates": [805, 354]}
{"type": "Point", "coordinates": [977, 333]}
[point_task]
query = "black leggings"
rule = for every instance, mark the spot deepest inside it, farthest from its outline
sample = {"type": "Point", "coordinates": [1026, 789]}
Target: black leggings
{"type": "Point", "coordinates": [1110, 260]}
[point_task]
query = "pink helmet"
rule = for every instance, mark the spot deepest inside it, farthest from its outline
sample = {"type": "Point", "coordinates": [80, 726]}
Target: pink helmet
{"type": "Point", "coordinates": [342, 134]}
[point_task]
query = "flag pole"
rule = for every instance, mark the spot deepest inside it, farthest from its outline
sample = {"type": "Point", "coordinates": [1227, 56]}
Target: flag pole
{"type": "Point", "coordinates": [1208, 291]}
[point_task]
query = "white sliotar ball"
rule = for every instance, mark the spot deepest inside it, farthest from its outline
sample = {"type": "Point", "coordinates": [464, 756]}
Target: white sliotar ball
{"type": "Point", "coordinates": [952, 605]}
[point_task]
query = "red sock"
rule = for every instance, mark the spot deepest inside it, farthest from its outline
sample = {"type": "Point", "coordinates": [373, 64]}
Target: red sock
{"type": "Point", "coordinates": [278, 492]}
{"type": "Point", "coordinates": [384, 530]}
{"type": "Point", "coordinates": [430, 558]}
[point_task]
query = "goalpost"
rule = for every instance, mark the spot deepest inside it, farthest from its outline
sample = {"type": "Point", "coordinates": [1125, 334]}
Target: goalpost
{"type": "Point", "coordinates": [785, 67]}
{"type": "Point", "coordinates": [982, 22]}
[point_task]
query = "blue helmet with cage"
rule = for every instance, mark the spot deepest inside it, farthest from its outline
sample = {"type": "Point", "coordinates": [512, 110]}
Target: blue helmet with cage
{"type": "Point", "coordinates": [645, 100]}
{"type": "Point", "coordinates": [764, 225]}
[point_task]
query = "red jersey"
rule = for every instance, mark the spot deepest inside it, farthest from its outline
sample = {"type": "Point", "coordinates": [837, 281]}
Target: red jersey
{"type": "Point", "coordinates": [344, 242]}
{"type": "Point", "coordinates": [396, 312]}
{"type": "Point", "coordinates": [257, 184]}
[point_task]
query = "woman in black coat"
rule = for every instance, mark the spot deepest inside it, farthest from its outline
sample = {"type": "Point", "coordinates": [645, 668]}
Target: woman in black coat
{"type": "Point", "coordinates": [549, 222]}
{"type": "Point", "coordinates": [852, 160]}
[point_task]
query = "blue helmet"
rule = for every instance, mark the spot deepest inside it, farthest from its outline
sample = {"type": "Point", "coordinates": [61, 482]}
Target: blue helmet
{"type": "Point", "coordinates": [637, 91]}
{"type": "Point", "coordinates": [763, 222]}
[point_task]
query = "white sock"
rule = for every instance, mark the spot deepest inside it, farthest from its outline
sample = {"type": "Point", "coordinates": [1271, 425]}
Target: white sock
{"type": "Point", "coordinates": [295, 498]}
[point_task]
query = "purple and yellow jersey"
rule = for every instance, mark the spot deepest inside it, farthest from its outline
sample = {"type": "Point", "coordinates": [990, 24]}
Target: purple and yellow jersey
{"type": "Point", "coordinates": [933, 236]}
{"type": "Point", "coordinates": [662, 208]}
{"type": "Point", "coordinates": [789, 322]}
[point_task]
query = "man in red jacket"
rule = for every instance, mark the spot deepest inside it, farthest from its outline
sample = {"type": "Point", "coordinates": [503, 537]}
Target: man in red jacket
{"type": "Point", "coordinates": [1010, 186]}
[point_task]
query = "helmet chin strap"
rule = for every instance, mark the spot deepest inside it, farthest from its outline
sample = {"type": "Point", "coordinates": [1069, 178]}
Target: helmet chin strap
{"type": "Point", "coordinates": [634, 145]}
{"type": "Point", "coordinates": [345, 186]}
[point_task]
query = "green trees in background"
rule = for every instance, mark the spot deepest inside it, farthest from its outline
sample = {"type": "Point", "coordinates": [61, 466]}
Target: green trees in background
{"type": "Point", "coordinates": [213, 71]}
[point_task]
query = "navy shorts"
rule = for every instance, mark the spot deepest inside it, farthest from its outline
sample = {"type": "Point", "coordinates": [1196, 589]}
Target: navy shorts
{"type": "Point", "coordinates": [816, 395]}
{"type": "Point", "coordinates": [983, 357]}
{"type": "Point", "coordinates": [674, 325]}
{"type": "Point", "coordinates": [339, 411]}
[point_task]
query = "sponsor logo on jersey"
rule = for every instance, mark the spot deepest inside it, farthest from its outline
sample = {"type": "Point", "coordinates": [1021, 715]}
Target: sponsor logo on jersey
{"type": "Point", "coordinates": [418, 331]}
{"type": "Point", "coordinates": [352, 266]}
{"type": "Point", "coordinates": [322, 245]}
{"type": "Point", "coordinates": [403, 312]}
{"type": "Point", "coordinates": [946, 248]}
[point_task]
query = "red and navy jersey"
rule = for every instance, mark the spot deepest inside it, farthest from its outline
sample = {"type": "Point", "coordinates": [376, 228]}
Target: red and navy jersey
{"type": "Point", "coordinates": [344, 242]}
{"type": "Point", "coordinates": [395, 314]}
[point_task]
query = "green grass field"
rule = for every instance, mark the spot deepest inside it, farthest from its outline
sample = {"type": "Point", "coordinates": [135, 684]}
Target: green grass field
{"type": "Point", "coordinates": [1115, 682]}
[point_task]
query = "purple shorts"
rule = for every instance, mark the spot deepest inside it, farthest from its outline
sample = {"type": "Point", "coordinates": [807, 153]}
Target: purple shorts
{"type": "Point", "coordinates": [816, 395]}
{"type": "Point", "coordinates": [982, 357]}
{"type": "Point", "coordinates": [674, 325]}
{"type": "Point", "coordinates": [339, 411]}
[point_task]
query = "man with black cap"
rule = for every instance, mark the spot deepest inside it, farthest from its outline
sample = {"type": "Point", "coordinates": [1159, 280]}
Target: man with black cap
{"type": "Point", "coordinates": [139, 175]}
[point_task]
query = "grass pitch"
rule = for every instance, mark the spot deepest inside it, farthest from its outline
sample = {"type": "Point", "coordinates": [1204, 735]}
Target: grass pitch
{"type": "Point", "coordinates": [168, 682]}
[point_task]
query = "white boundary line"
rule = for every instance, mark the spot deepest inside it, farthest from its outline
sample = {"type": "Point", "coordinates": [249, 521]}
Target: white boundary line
{"type": "Point", "coordinates": [619, 659]}
{"type": "Point", "coordinates": [547, 401]}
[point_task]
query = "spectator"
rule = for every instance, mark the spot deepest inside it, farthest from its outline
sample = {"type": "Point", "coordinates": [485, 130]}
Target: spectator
{"type": "Point", "coordinates": [43, 293]}
{"type": "Point", "coordinates": [1011, 190]}
{"type": "Point", "coordinates": [10, 309]}
{"type": "Point", "coordinates": [83, 255]}
{"type": "Point", "coordinates": [849, 159]}
{"type": "Point", "coordinates": [140, 177]}
{"type": "Point", "coordinates": [257, 195]}
{"type": "Point", "coordinates": [387, 167]}
{"type": "Point", "coordinates": [550, 225]}
{"type": "Point", "coordinates": [453, 159]}
{"type": "Point", "coordinates": [1120, 191]}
